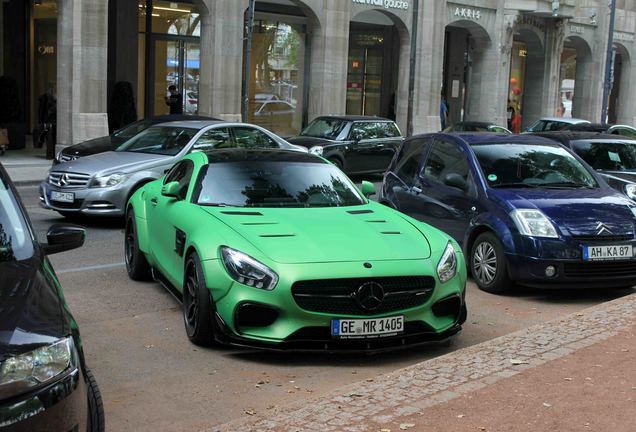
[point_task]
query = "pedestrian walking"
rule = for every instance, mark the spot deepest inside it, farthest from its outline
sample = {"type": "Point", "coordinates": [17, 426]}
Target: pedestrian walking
{"type": "Point", "coordinates": [174, 100]}
{"type": "Point", "coordinates": [510, 114]}
{"type": "Point", "coordinates": [443, 111]}
{"type": "Point", "coordinates": [47, 121]}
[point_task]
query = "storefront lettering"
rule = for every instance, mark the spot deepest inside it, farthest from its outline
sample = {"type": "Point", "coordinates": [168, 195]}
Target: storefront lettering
{"type": "Point", "coordinates": [386, 4]}
{"type": "Point", "coordinates": [627, 37]}
{"type": "Point", "coordinates": [46, 50]}
{"type": "Point", "coordinates": [467, 13]}
{"type": "Point", "coordinates": [532, 21]}
{"type": "Point", "coordinates": [576, 29]}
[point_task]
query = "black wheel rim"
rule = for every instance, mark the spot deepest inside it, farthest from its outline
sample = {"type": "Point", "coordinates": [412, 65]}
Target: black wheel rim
{"type": "Point", "coordinates": [190, 298]}
{"type": "Point", "coordinates": [130, 242]}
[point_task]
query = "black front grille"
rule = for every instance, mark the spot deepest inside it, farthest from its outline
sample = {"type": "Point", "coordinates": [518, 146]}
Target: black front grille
{"type": "Point", "coordinates": [603, 239]}
{"type": "Point", "coordinates": [337, 296]}
{"type": "Point", "coordinates": [70, 206]}
{"type": "Point", "coordinates": [601, 269]}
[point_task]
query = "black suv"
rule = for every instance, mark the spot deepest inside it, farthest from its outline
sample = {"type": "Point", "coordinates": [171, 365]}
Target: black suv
{"type": "Point", "coordinates": [44, 382]}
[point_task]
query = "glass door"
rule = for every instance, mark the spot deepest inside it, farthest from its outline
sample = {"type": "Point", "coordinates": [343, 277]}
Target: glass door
{"type": "Point", "coordinates": [176, 77]}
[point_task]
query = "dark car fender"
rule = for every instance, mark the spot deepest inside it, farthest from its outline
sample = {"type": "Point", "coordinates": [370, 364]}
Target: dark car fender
{"type": "Point", "coordinates": [495, 223]}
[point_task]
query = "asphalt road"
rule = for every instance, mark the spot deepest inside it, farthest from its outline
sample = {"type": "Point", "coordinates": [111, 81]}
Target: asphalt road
{"type": "Point", "coordinates": [153, 379]}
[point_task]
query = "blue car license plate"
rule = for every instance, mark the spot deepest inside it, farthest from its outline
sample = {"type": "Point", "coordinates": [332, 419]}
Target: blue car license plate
{"type": "Point", "coordinates": [367, 328]}
{"type": "Point", "coordinates": [608, 253]}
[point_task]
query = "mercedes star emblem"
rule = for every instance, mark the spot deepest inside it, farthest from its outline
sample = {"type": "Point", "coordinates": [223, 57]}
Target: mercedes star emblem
{"type": "Point", "coordinates": [63, 179]}
{"type": "Point", "coordinates": [369, 296]}
{"type": "Point", "coordinates": [601, 228]}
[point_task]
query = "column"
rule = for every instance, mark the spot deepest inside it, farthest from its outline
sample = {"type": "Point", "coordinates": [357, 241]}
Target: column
{"type": "Point", "coordinates": [81, 70]}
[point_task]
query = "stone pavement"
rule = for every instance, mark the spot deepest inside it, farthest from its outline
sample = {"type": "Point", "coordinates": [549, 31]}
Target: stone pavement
{"type": "Point", "coordinates": [400, 400]}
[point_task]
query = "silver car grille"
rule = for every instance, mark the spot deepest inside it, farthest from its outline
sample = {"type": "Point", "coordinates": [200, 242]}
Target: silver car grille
{"type": "Point", "coordinates": [69, 180]}
{"type": "Point", "coordinates": [67, 158]}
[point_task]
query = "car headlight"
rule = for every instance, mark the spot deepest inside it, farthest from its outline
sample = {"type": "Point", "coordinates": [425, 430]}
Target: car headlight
{"type": "Point", "coordinates": [447, 266]}
{"type": "Point", "coordinates": [248, 271]}
{"type": "Point", "coordinates": [317, 150]}
{"type": "Point", "coordinates": [630, 191]}
{"type": "Point", "coordinates": [533, 223]}
{"type": "Point", "coordinates": [109, 180]}
{"type": "Point", "coordinates": [633, 209]}
{"type": "Point", "coordinates": [23, 372]}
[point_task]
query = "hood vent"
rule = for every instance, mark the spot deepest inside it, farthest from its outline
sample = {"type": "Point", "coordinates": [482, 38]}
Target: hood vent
{"type": "Point", "coordinates": [376, 221]}
{"type": "Point", "coordinates": [241, 213]}
{"type": "Point", "coordinates": [357, 212]}
{"type": "Point", "coordinates": [391, 232]}
{"type": "Point", "coordinates": [258, 223]}
{"type": "Point", "coordinates": [276, 235]}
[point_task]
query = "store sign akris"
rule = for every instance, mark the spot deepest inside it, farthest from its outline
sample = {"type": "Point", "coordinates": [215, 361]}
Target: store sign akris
{"type": "Point", "coordinates": [467, 13]}
{"type": "Point", "coordinates": [386, 4]}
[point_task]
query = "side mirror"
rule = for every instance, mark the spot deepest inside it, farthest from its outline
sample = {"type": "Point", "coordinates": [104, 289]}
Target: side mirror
{"type": "Point", "coordinates": [63, 237]}
{"type": "Point", "coordinates": [170, 190]}
{"type": "Point", "coordinates": [456, 181]}
{"type": "Point", "coordinates": [367, 188]}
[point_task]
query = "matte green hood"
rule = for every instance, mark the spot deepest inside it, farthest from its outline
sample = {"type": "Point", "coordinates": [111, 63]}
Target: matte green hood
{"type": "Point", "coordinates": [323, 235]}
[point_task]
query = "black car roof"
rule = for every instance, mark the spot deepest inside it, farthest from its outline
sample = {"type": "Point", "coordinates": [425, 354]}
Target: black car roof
{"type": "Point", "coordinates": [481, 138]}
{"type": "Point", "coordinates": [261, 155]}
{"type": "Point", "coordinates": [355, 118]}
{"type": "Point", "coordinates": [568, 136]}
{"type": "Point", "coordinates": [475, 123]}
{"type": "Point", "coordinates": [178, 117]}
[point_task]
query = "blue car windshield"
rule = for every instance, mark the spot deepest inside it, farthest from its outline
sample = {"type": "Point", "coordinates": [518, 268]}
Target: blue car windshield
{"type": "Point", "coordinates": [16, 242]}
{"type": "Point", "coordinates": [526, 165]}
{"type": "Point", "coordinates": [162, 140]}
{"type": "Point", "coordinates": [608, 155]}
{"type": "Point", "coordinates": [275, 184]}
{"type": "Point", "coordinates": [325, 128]}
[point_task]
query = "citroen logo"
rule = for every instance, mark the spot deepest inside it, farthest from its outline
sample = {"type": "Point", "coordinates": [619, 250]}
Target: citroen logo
{"type": "Point", "coordinates": [64, 180]}
{"type": "Point", "coordinates": [369, 296]}
{"type": "Point", "coordinates": [601, 228]}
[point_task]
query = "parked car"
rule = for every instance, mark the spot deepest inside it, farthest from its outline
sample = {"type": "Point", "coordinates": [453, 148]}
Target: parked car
{"type": "Point", "coordinates": [524, 208]}
{"type": "Point", "coordinates": [45, 383]}
{"type": "Point", "coordinates": [275, 115]}
{"type": "Point", "coordinates": [624, 130]}
{"type": "Point", "coordinates": [355, 144]}
{"type": "Point", "coordinates": [100, 185]}
{"type": "Point", "coordinates": [554, 124]}
{"type": "Point", "coordinates": [191, 102]}
{"type": "Point", "coordinates": [612, 156]}
{"type": "Point", "coordinates": [476, 126]}
{"type": "Point", "coordinates": [279, 250]}
{"type": "Point", "coordinates": [111, 142]}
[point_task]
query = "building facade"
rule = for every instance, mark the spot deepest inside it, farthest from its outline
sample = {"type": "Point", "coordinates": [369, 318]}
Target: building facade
{"type": "Point", "coordinates": [392, 58]}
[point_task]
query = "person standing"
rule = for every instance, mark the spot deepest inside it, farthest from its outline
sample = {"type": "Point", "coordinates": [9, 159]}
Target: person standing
{"type": "Point", "coordinates": [510, 114]}
{"type": "Point", "coordinates": [443, 111]}
{"type": "Point", "coordinates": [174, 100]}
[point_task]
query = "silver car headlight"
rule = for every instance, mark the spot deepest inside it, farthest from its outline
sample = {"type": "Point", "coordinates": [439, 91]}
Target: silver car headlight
{"type": "Point", "coordinates": [447, 266]}
{"type": "Point", "coordinates": [248, 271]}
{"type": "Point", "coordinates": [317, 150]}
{"type": "Point", "coordinates": [20, 373]}
{"type": "Point", "coordinates": [533, 223]}
{"type": "Point", "coordinates": [630, 191]}
{"type": "Point", "coordinates": [109, 180]}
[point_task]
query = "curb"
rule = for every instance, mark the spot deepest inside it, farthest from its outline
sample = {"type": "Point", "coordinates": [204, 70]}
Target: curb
{"type": "Point", "coordinates": [407, 391]}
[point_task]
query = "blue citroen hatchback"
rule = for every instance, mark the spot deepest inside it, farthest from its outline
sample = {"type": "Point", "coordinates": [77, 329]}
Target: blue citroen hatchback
{"type": "Point", "coordinates": [525, 209]}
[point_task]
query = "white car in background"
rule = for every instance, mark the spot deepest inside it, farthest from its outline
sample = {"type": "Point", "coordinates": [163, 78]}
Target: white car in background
{"type": "Point", "coordinates": [550, 124]}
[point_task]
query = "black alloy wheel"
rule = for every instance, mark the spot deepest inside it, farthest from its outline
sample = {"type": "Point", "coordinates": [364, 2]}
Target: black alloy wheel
{"type": "Point", "coordinates": [488, 264]}
{"type": "Point", "coordinates": [136, 263]}
{"type": "Point", "coordinates": [95, 421]}
{"type": "Point", "coordinates": [197, 304]}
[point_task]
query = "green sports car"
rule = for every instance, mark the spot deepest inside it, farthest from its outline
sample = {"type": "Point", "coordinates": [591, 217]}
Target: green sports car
{"type": "Point", "coordinates": [278, 249]}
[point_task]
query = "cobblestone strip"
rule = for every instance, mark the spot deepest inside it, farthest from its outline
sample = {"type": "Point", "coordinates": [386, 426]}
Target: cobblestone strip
{"type": "Point", "coordinates": [410, 390]}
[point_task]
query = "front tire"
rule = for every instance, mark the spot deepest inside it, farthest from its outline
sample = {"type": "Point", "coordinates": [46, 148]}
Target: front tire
{"type": "Point", "coordinates": [197, 304]}
{"type": "Point", "coordinates": [95, 421]}
{"type": "Point", "coordinates": [488, 264]}
{"type": "Point", "coordinates": [136, 263]}
{"type": "Point", "coordinates": [336, 162]}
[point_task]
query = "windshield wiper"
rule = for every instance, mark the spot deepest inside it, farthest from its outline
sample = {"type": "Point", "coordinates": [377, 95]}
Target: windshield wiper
{"type": "Point", "coordinates": [567, 184]}
{"type": "Point", "coordinates": [214, 205]}
{"type": "Point", "coordinates": [514, 185]}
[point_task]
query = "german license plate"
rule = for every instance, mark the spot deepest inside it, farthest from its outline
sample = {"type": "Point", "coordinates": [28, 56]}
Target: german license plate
{"type": "Point", "coordinates": [367, 328]}
{"type": "Point", "coordinates": [607, 253]}
{"type": "Point", "coordinates": [65, 197]}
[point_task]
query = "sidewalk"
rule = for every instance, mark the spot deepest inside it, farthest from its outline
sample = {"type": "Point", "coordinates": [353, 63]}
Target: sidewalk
{"type": "Point", "coordinates": [28, 166]}
{"type": "Point", "coordinates": [577, 373]}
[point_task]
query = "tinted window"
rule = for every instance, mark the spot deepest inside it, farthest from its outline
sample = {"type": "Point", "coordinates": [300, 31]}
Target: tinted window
{"type": "Point", "coordinates": [624, 132]}
{"type": "Point", "coordinates": [366, 130]}
{"type": "Point", "coordinates": [159, 140]}
{"type": "Point", "coordinates": [408, 165]}
{"type": "Point", "coordinates": [607, 155]}
{"type": "Point", "coordinates": [133, 129]}
{"type": "Point", "coordinates": [275, 184]}
{"type": "Point", "coordinates": [527, 165]}
{"type": "Point", "coordinates": [15, 239]}
{"type": "Point", "coordinates": [214, 138]}
{"type": "Point", "coordinates": [388, 130]}
{"type": "Point", "coordinates": [182, 173]}
{"type": "Point", "coordinates": [446, 158]}
{"type": "Point", "coordinates": [252, 138]}
{"type": "Point", "coordinates": [325, 128]}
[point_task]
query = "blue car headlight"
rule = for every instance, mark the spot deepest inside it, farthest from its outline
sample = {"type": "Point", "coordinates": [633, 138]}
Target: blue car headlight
{"type": "Point", "coordinates": [246, 270]}
{"type": "Point", "coordinates": [21, 373]}
{"type": "Point", "coordinates": [447, 266]}
{"type": "Point", "coordinates": [533, 223]}
{"type": "Point", "coordinates": [630, 191]}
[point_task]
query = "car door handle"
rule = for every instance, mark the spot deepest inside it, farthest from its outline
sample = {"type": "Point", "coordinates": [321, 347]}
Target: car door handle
{"type": "Point", "coordinates": [416, 190]}
{"type": "Point", "coordinates": [153, 201]}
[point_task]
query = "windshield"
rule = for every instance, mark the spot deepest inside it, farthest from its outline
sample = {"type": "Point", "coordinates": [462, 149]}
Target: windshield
{"type": "Point", "coordinates": [275, 184]}
{"type": "Point", "coordinates": [132, 129]}
{"type": "Point", "coordinates": [325, 128]}
{"type": "Point", "coordinates": [15, 239]}
{"type": "Point", "coordinates": [524, 165]}
{"type": "Point", "coordinates": [163, 140]}
{"type": "Point", "coordinates": [608, 155]}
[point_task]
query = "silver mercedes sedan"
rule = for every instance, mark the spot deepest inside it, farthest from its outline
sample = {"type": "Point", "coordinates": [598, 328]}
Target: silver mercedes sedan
{"type": "Point", "coordinates": [100, 185]}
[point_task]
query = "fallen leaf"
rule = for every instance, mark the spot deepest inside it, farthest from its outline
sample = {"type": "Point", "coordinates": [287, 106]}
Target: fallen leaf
{"type": "Point", "coordinates": [568, 379]}
{"type": "Point", "coordinates": [460, 416]}
{"type": "Point", "coordinates": [354, 395]}
{"type": "Point", "coordinates": [385, 430]}
{"type": "Point", "coordinates": [518, 362]}
{"type": "Point", "coordinates": [405, 426]}
{"type": "Point", "coordinates": [261, 382]}
{"type": "Point", "coordinates": [369, 379]}
{"type": "Point", "coordinates": [547, 405]}
{"type": "Point", "coordinates": [249, 412]}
